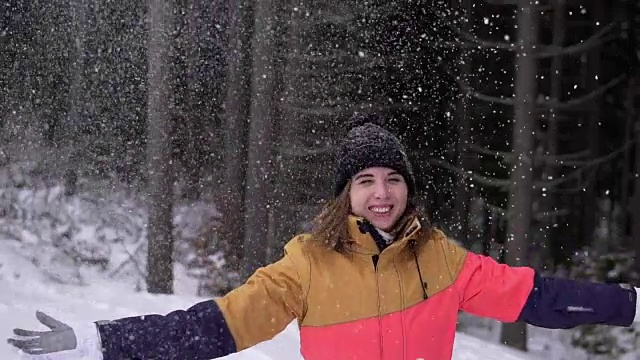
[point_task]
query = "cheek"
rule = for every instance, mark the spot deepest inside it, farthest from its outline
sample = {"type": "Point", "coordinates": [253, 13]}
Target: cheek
{"type": "Point", "coordinates": [357, 199]}
{"type": "Point", "coordinates": [401, 194]}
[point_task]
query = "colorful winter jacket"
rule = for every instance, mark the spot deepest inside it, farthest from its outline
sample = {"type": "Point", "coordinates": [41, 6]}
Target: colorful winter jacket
{"type": "Point", "coordinates": [401, 303]}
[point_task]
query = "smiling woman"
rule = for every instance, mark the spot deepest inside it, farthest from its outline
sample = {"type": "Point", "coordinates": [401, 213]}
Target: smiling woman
{"type": "Point", "coordinates": [379, 195]}
{"type": "Point", "coordinates": [372, 281]}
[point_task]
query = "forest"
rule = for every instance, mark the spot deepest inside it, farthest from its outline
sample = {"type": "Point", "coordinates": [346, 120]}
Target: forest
{"type": "Point", "coordinates": [521, 118]}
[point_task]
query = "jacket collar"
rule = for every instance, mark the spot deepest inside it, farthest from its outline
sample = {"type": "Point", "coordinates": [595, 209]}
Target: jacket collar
{"type": "Point", "coordinates": [360, 231]}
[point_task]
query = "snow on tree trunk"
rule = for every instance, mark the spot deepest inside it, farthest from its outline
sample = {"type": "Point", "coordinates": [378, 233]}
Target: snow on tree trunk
{"type": "Point", "coordinates": [76, 113]}
{"type": "Point", "coordinates": [236, 115]}
{"type": "Point", "coordinates": [258, 195]}
{"type": "Point", "coordinates": [159, 232]}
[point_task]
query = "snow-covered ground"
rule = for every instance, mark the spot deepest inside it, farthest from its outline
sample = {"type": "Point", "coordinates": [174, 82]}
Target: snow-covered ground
{"type": "Point", "coordinates": [23, 290]}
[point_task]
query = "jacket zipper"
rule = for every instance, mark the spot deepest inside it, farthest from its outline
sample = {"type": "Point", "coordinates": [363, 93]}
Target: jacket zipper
{"type": "Point", "coordinates": [375, 259]}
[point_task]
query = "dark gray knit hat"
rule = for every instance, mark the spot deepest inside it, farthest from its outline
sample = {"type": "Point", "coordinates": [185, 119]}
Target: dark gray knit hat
{"type": "Point", "coordinates": [366, 145]}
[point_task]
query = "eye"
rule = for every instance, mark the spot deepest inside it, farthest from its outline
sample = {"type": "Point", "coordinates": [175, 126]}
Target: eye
{"type": "Point", "coordinates": [364, 181]}
{"type": "Point", "coordinates": [395, 180]}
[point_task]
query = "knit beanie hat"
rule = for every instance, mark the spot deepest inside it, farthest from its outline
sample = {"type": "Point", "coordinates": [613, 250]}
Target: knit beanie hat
{"type": "Point", "coordinates": [366, 145]}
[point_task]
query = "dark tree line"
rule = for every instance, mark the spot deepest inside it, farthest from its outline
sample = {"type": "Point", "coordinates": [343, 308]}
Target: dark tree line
{"type": "Point", "coordinates": [520, 116]}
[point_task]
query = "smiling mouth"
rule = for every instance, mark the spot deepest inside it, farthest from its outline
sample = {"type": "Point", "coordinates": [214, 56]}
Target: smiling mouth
{"type": "Point", "coordinates": [381, 210]}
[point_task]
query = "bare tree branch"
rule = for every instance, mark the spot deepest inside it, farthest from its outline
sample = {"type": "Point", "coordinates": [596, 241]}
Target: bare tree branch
{"type": "Point", "coordinates": [583, 167]}
{"type": "Point", "coordinates": [346, 108]}
{"type": "Point", "coordinates": [317, 111]}
{"type": "Point", "coordinates": [596, 161]}
{"type": "Point", "coordinates": [366, 65]}
{"type": "Point", "coordinates": [484, 180]}
{"type": "Point", "coordinates": [550, 184]}
{"type": "Point", "coordinates": [542, 215]}
{"type": "Point", "coordinates": [471, 41]}
{"type": "Point", "coordinates": [547, 104]}
{"type": "Point", "coordinates": [505, 155]}
{"type": "Point", "coordinates": [341, 15]}
{"type": "Point", "coordinates": [298, 151]}
{"type": "Point", "coordinates": [585, 98]}
{"type": "Point", "coordinates": [539, 215]}
{"type": "Point", "coordinates": [560, 160]}
{"type": "Point", "coordinates": [565, 157]}
{"type": "Point", "coordinates": [321, 58]}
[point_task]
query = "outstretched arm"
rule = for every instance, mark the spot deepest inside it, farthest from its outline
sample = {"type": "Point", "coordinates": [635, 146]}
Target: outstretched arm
{"type": "Point", "coordinates": [199, 332]}
{"type": "Point", "coordinates": [254, 312]}
{"type": "Point", "coordinates": [248, 315]}
{"type": "Point", "coordinates": [510, 294]}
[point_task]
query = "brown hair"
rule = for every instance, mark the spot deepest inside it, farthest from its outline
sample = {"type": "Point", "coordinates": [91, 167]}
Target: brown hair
{"type": "Point", "coordinates": [331, 226]}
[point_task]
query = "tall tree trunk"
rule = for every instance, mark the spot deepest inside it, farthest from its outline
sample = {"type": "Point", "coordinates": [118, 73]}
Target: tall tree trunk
{"type": "Point", "coordinates": [282, 223]}
{"type": "Point", "coordinates": [550, 170]}
{"type": "Point", "coordinates": [258, 195]}
{"type": "Point", "coordinates": [461, 200]}
{"type": "Point", "coordinates": [591, 81]}
{"type": "Point", "coordinates": [519, 209]}
{"type": "Point", "coordinates": [630, 182]}
{"type": "Point", "coordinates": [160, 199]}
{"type": "Point", "coordinates": [76, 111]}
{"type": "Point", "coordinates": [284, 204]}
{"type": "Point", "coordinates": [636, 207]}
{"type": "Point", "coordinates": [193, 158]}
{"type": "Point", "coordinates": [627, 174]}
{"type": "Point", "coordinates": [236, 113]}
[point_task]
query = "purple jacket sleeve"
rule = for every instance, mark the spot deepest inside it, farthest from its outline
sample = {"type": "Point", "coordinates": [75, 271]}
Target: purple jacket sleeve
{"type": "Point", "coordinates": [197, 333]}
{"type": "Point", "coordinates": [562, 303]}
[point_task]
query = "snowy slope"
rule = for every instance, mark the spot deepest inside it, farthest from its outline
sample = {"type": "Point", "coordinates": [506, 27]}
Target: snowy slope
{"type": "Point", "coordinates": [24, 290]}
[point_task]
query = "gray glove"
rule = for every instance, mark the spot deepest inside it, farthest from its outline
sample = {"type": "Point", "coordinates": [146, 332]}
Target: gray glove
{"type": "Point", "coordinates": [60, 338]}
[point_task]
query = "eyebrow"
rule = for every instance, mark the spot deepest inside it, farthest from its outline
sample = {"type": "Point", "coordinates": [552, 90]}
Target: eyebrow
{"type": "Point", "coordinates": [391, 173]}
{"type": "Point", "coordinates": [362, 176]}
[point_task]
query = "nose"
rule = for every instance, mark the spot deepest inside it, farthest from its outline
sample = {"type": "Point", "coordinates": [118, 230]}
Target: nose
{"type": "Point", "coordinates": [381, 190]}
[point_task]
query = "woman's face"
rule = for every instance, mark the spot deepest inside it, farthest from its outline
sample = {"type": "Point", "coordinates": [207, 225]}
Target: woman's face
{"type": "Point", "coordinates": [379, 195]}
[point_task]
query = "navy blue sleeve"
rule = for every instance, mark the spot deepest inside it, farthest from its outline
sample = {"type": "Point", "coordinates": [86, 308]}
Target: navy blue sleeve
{"type": "Point", "coordinates": [558, 303]}
{"type": "Point", "coordinates": [197, 333]}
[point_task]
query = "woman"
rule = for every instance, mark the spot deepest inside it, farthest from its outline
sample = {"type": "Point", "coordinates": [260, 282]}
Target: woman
{"type": "Point", "coordinates": [372, 281]}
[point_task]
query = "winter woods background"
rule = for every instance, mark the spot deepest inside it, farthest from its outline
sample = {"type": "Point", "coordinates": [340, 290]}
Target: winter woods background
{"type": "Point", "coordinates": [144, 138]}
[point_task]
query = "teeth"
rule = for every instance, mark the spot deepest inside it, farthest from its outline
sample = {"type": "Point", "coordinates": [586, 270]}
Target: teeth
{"type": "Point", "coordinates": [377, 209]}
